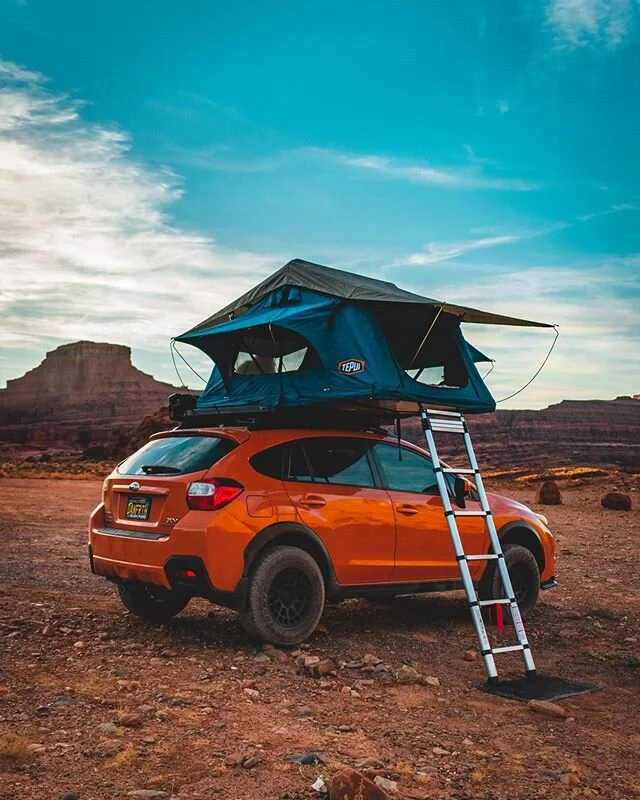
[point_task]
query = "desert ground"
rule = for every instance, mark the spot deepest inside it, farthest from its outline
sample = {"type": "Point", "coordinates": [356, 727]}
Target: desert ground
{"type": "Point", "coordinates": [96, 703]}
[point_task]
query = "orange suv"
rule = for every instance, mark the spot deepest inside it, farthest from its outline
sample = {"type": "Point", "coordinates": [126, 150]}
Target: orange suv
{"type": "Point", "coordinates": [273, 523]}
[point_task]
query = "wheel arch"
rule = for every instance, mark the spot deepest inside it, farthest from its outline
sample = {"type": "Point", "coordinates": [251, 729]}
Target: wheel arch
{"type": "Point", "coordinates": [294, 535]}
{"type": "Point", "coordinates": [518, 532]}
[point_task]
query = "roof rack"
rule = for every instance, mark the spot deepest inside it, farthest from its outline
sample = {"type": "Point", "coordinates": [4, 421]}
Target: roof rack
{"type": "Point", "coordinates": [339, 415]}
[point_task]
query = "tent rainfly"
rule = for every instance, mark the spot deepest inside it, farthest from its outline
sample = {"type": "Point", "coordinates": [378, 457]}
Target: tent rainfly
{"type": "Point", "coordinates": [310, 335]}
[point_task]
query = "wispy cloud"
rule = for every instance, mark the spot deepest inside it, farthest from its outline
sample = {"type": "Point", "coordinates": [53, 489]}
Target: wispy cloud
{"type": "Point", "coordinates": [577, 23]}
{"type": "Point", "coordinates": [88, 249]}
{"type": "Point", "coordinates": [445, 177]}
{"type": "Point", "coordinates": [435, 252]}
{"type": "Point", "coordinates": [503, 106]}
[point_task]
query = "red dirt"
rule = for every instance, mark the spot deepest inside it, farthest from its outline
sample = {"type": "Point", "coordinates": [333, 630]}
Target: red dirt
{"type": "Point", "coordinates": [71, 659]}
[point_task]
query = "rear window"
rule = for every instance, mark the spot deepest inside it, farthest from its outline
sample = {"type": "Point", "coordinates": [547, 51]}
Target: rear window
{"type": "Point", "coordinates": [176, 455]}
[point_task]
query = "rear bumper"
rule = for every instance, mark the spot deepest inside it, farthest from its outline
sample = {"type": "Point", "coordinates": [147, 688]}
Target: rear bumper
{"type": "Point", "coordinates": [197, 561]}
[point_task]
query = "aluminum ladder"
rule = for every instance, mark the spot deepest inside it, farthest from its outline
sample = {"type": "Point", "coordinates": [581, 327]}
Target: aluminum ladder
{"type": "Point", "coordinates": [434, 420]}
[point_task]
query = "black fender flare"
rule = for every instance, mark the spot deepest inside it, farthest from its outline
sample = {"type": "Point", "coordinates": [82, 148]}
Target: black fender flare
{"type": "Point", "coordinates": [521, 525]}
{"type": "Point", "coordinates": [296, 534]}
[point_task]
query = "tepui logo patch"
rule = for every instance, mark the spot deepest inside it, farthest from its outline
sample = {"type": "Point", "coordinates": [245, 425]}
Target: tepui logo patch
{"type": "Point", "coordinates": [351, 366]}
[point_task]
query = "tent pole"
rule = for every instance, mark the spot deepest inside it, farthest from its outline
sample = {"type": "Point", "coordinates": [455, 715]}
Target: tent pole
{"type": "Point", "coordinates": [426, 336]}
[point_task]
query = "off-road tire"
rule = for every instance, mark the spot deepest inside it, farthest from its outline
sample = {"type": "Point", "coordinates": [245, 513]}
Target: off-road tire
{"type": "Point", "coordinates": [286, 597]}
{"type": "Point", "coordinates": [525, 577]}
{"type": "Point", "coordinates": [150, 602]}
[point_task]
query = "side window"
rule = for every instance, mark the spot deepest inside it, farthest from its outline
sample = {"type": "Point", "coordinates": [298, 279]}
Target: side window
{"type": "Point", "coordinates": [271, 462]}
{"type": "Point", "coordinates": [339, 461]}
{"type": "Point", "coordinates": [404, 470]}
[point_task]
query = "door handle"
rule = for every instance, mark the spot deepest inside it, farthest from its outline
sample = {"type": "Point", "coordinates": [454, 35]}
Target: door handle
{"type": "Point", "coordinates": [313, 501]}
{"type": "Point", "coordinates": [408, 511]}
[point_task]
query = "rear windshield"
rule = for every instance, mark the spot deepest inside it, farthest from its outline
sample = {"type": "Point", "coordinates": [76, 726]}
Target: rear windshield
{"type": "Point", "coordinates": [175, 455]}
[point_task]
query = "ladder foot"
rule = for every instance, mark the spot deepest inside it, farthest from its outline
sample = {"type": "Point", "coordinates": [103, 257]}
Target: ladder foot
{"type": "Point", "coordinates": [493, 681]}
{"type": "Point", "coordinates": [530, 675]}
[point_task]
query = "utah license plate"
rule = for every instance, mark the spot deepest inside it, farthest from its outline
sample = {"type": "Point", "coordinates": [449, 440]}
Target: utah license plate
{"type": "Point", "coordinates": [138, 507]}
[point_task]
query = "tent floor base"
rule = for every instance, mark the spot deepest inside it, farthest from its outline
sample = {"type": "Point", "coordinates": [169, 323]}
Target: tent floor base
{"type": "Point", "coordinates": [542, 687]}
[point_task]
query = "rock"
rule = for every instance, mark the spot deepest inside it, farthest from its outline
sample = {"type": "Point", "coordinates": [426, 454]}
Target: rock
{"type": "Point", "coordinates": [470, 655]}
{"type": "Point", "coordinates": [108, 728]}
{"type": "Point", "coordinates": [547, 708]}
{"type": "Point", "coordinates": [407, 675]}
{"type": "Point", "coordinates": [78, 645]}
{"type": "Point", "coordinates": [305, 758]}
{"type": "Point", "coordinates": [371, 660]}
{"type": "Point", "coordinates": [430, 680]}
{"type": "Point", "coordinates": [549, 494]}
{"type": "Point", "coordinates": [262, 658]}
{"type": "Point", "coordinates": [616, 501]}
{"type": "Point", "coordinates": [48, 630]}
{"type": "Point", "coordinates": [278, 655]}
{"type": "Point", "coordinates": [148, 794]}
{"type": "Point", "coordinates": [305, 711]}
{"type": "Point", "coordinates": [130, 720]}
{"type": "Point", "coordinates": [386, 784]}
{"type": "Point", "coordinates": [146, 709]}
{"type": "Point", "coordinates": [109, 747]}
{"type": "Point", "coordinates": [310, 662]}
{"type": "Point", "coordinates": [69, 796]}
{"type": "Point", "coordinates": [370, 763]}
{"type": "Point", "coordinates": [250, 762]}
{"type": "Point", "coordinates": [351, 785]}
{"type": "Point", "coordinates": [233, 760]}
{"type": "Point", "coordinates": [324, 667]}
{"type": "Point", "coordinates": [569, 779]}
{"type": "Point", "coordinates": [252, 694]}
{"type": "Point", "coordinates": [440, 751]}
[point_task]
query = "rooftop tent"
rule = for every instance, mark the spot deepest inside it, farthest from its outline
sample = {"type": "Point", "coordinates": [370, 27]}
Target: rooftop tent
{"type": "Point", "coordinates": [312, 335]}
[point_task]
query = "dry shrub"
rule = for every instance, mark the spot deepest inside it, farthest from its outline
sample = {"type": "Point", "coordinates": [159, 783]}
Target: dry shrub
{"type": "Point", "coordinates": [14, 746]}
{"type": "Point", "coordinates": [125, 757]}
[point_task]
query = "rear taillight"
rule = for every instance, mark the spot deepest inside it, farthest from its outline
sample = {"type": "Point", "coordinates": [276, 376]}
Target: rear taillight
{"type": "Point", "coordinates": [212, 493]}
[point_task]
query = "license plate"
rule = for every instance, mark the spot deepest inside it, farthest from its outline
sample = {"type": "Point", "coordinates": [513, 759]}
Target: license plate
{"type": "Point", "coordinates": [138, 507]}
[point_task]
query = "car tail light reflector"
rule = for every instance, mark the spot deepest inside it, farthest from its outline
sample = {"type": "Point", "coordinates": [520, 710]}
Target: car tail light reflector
{"type": "Point", "coordinates": [210, 494]}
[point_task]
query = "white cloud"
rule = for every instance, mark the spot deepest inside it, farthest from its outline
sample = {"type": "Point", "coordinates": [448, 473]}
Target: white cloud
{"type": "Point", "coordinates": [583, 22]}
{"type": "Point", "coordinates": [502, 106]}
{"type": "Point", "coordinates": [434, 252]}
{"type": "Point", "coordinates": [446, 177]}
{"type": "Point", "coordinates": [595, 305]}
{"type": "Point", "coordinates": [87, 247]}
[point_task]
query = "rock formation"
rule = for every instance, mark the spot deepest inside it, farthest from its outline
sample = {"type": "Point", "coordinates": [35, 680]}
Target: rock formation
{"type": "Point", "coordinates": [602, 433]}
{"type": "Point", "coordinates": [83, 395]}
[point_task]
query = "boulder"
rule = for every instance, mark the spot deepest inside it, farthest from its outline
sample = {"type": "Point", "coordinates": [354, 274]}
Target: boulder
{"type": "Point", "coordinates": [351, 785]}
{"type": "Point", "coordinates": [549, 494]}
{"type": "Point", "coordinates": [616, 501]}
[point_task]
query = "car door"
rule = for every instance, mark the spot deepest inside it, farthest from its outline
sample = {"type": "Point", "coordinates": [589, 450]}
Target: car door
{"type": "Point", "coordinates": [424, 550]}
{"type": "Point", "coordinates": [330, 482]}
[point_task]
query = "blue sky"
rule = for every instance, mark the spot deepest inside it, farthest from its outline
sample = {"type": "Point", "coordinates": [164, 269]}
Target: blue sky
{"type": "Point", "coordinates": [157, 159]}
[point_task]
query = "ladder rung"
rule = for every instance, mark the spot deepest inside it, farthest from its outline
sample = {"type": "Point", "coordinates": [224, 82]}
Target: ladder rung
{"type": "Point", "coordinates": [485, 557]}
{"type": "Point", "coordinates": [457, 414]}
{"type": "Point", "coordinates": [450, 471]}
{"type": "Point", "coordinates": [510, 649]}
{"type": "Point", "coordinates": [446, 424]}
{"type": "Point", "coordinates": [469, 513]}
{"type": "Point", "coordinates": [503, 601]}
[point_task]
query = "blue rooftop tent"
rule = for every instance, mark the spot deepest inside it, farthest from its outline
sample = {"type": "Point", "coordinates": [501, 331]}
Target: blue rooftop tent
{"type": "Point", "coordinates": [311, 336]}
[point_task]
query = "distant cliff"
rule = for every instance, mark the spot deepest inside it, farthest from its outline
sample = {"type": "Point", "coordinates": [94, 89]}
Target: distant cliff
{"type": "Point", "coordinates": [82, 395]}
{"type": "Point", "coordinates": [594, 432]}
{"type": "Point", "coordinates": [87, 397]}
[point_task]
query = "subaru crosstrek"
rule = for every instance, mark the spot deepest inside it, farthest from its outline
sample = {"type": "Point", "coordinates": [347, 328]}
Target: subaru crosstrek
{"type": "Point", "coordinates": [272, 523]}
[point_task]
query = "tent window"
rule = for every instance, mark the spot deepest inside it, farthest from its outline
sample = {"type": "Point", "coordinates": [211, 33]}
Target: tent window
{"type": "Point", "coordinates": [445, 376]}
{"type": "Point", "coordinates": [272, 350]}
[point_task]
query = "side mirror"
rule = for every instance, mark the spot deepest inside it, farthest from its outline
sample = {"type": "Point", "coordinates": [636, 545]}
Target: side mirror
{"type": "Point", "coordinates": [460, 491]}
